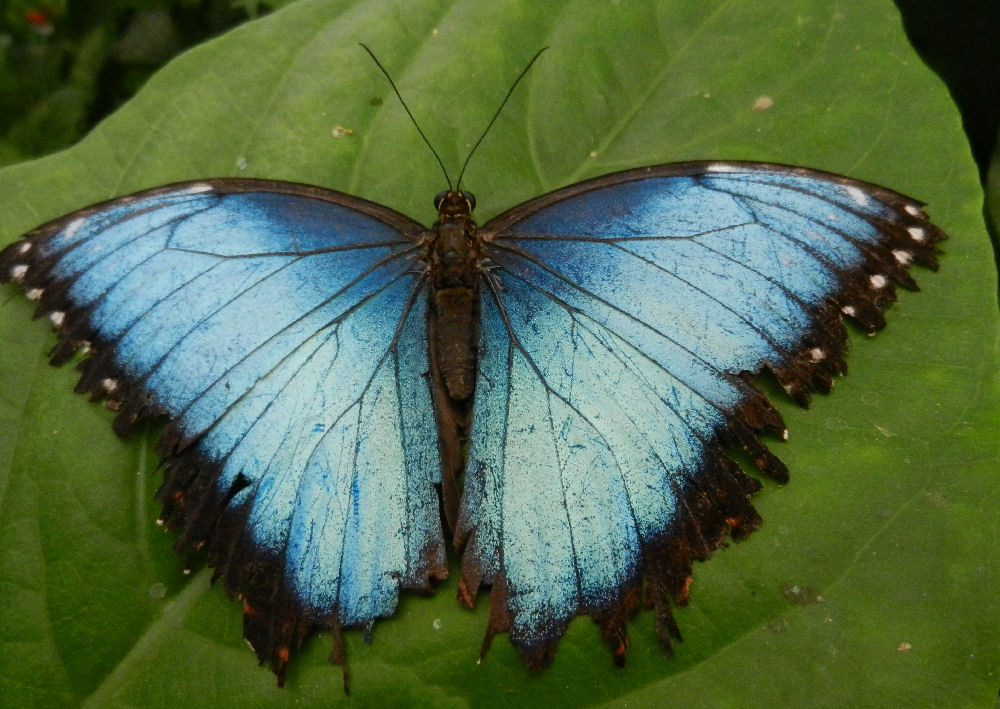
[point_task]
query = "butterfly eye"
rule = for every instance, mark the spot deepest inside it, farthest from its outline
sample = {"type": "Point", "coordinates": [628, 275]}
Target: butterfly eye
{"type": "Point", "coordinates": [471, 199]}
{"type": "Point", "coordinates": [439, 198]}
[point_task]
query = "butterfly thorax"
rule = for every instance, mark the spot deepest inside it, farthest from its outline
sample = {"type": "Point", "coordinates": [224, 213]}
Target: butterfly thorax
{"type": "Point", "coordinates": [453, 252]}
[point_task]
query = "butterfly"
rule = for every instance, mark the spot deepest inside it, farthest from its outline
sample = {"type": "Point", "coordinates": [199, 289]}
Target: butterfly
{"type": "Point", "coordinates": [553, 393]}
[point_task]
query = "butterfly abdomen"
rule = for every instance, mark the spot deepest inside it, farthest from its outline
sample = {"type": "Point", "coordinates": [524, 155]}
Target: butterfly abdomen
{"type": "Point", "coordinates": [455, 340]}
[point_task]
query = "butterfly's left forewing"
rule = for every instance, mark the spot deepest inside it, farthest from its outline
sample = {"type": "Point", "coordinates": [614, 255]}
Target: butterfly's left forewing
{"type": "Point", "coordinates": [622, 319]}
{"type": "Point", "coordinates": [282, 330]}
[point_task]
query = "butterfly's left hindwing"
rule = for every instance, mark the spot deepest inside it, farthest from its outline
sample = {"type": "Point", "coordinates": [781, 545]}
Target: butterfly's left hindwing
{"type": "Point", "coordinates": [282, 329]}
{"type": "Point", "coordinates": [622, 319]}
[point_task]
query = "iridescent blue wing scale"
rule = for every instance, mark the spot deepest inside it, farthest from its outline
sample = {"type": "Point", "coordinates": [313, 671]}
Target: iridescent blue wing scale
{"type": "Point", "coordinates": [622, 322]}
{"type": "Point", "coordinates": [281, 328]}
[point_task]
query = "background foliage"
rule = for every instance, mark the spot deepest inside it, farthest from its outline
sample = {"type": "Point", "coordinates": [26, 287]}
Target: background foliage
{"type": "Point", "coordinates": [873, 581]}
{"type": "Point", "coordinates": [89, 56]}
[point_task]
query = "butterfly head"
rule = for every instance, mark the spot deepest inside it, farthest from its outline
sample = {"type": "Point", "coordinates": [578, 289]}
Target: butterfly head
{"type": "Point", "coordinates": [453, 203]}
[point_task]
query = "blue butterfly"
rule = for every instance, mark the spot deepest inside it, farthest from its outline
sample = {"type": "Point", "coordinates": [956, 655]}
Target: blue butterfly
{"type": "Point", "coordinates": [331, 371]}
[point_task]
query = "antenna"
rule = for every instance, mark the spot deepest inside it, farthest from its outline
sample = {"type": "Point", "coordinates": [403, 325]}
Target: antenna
{"type": "Point", "coordinates": [497, 114]}
{"type": "Point", "coordinates": [481, 137]}
{"type": "Point", "coordinates": [408, 112]}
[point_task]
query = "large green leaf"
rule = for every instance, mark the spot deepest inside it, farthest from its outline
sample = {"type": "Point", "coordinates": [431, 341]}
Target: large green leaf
{"type": "Point", "coordinates": [873, 581]}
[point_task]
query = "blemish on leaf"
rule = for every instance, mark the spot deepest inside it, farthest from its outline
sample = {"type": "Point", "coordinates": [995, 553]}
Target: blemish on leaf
{"type": "Point", "coordinates": [777, 625]}
{"type": "Point", "coordinates": [800, 595]}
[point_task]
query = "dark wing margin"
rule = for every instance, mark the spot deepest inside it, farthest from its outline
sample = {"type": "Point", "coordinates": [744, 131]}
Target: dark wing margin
{"type": "Point", "coordinates": [623, 321]}
{"type": "Point", "coordinates": [281, 330]}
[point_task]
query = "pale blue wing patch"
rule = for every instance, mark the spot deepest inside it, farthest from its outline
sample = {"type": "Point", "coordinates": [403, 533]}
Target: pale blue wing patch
{"type": "Point", "coordinates": [582, 448]}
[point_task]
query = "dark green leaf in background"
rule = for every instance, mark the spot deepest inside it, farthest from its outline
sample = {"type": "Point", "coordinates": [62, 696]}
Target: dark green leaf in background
{"type": "Point", "coordinates": [873, 581]}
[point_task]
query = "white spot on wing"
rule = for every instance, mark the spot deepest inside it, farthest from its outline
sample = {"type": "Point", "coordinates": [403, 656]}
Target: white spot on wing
{"type": "Point", "coordinates": [857, 194]}
{"type": "Point", "coordinates": [912, 210]}
{"type": "Point", "coordinates": [902, 257]}
{"type": "Point", "coordinates": [109, 384]}
{"type": "Point", "coordinates": [720, 167]}
{"type": "Point", "coordinates": [849, 310]}
{"type": "Point", "coordinates": [18, 271]}
{"type": "Point", "coordinates": [878, 281]}
{"type": "Point", "coordinates": [817, 354]}
{"type": "Point", "coordinates": [74, 226]}
{"type": "Point", "coordinates": [34, 293]}
{"type": "Point", "coordinates": [24, 248]}
{"type": "Point", "coordinates": [917, 233]}
{"type": "Point", "coordinates": [57, 317]}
